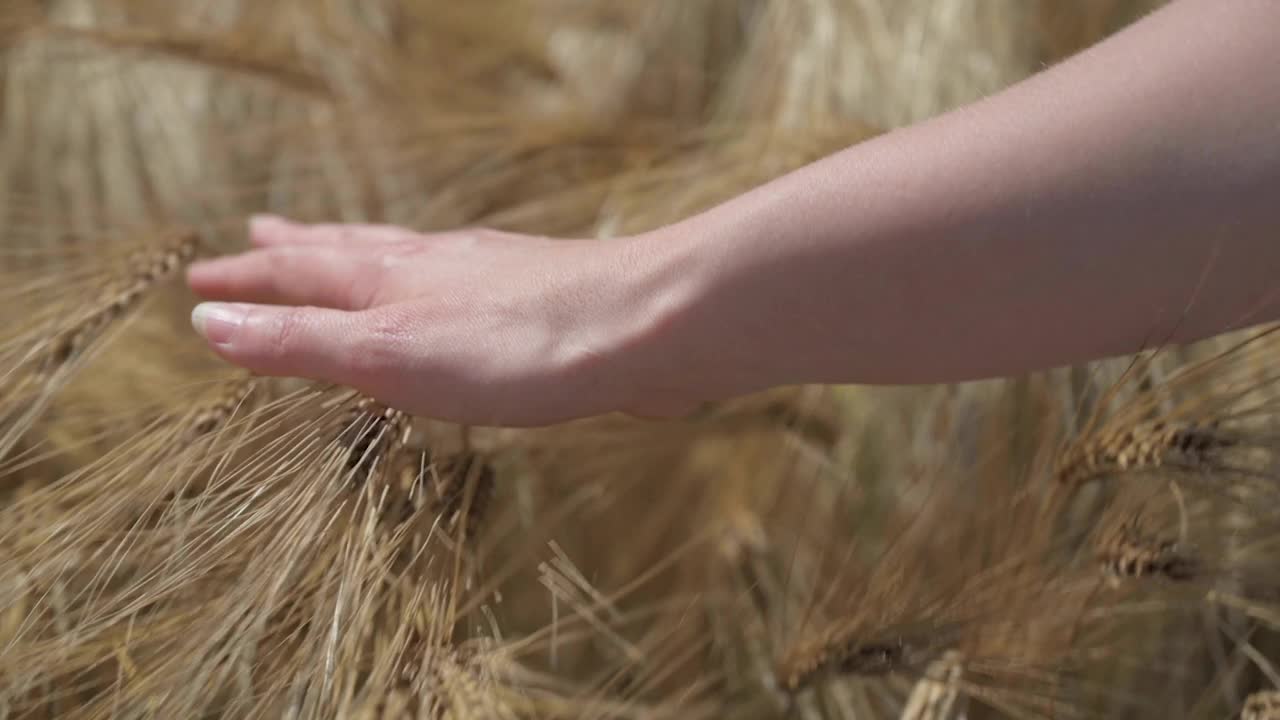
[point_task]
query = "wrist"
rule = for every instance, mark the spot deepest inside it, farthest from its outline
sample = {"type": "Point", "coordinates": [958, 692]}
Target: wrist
{"type": "Point", "coordinates": [666, 357]}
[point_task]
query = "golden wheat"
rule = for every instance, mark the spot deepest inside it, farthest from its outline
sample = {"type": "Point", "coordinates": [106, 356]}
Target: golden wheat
{"type": "Point", "coordinates": [177, 541]}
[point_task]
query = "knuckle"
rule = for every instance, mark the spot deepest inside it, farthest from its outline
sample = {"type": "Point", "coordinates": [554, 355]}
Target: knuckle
{"type": "Point", "coordinates": [285, 332]}
{"type": "Point", "coordinates": [278, 261]}
{"type": "Point", "coordinates": [380, 347]}
{"type": "Point", "coordinates": [365, 285]}
{"type": "Point", "coordinates": [278, 258]}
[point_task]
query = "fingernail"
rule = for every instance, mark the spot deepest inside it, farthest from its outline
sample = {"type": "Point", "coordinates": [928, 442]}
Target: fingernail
{"type": "Point", "coordinates": [217, 322]}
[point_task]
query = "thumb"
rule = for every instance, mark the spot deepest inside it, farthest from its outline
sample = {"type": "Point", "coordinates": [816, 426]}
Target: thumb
{"type": "Point", "coordinates": [305, 342]}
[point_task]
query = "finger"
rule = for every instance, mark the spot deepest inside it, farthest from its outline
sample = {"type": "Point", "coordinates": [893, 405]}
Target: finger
{"type": "Point", "coordinates": [322, 276]}
{"type": "Point", "coordinates": [273, 231]}
{"type": "Point", "coordinates": [346, 348]}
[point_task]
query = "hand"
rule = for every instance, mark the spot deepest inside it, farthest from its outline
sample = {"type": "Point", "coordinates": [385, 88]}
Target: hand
{"type": "Point", "coordinates": [472, 326]}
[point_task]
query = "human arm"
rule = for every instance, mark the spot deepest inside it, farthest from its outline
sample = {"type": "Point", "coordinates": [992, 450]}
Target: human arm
{"type": "Point", "coordinates": [1126, 196]}
{"type": "Point", "coordinates": [1075, 216]}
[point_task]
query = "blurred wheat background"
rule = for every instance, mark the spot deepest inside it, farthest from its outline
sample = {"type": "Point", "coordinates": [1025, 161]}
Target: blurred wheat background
{"type": "Point", "coordinates": [181, 541]}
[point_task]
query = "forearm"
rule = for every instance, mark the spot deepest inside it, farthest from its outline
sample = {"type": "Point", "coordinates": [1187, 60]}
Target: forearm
{"type": "Point", "coordinates": [1129, 196]}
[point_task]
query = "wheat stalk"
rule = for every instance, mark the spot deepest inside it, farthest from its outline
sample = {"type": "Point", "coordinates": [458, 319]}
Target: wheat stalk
{"type": "Point", "coordinates": [1264, 705]}
{"type": "Point", "coordinates": [62, 345]}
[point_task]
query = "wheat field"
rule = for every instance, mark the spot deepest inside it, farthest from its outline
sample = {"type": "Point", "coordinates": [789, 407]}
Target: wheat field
{"type": "Point", "coordinates": [181, 540]}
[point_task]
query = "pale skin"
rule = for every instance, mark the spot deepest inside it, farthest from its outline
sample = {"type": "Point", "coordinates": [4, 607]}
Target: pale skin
{"type": "Point", "coordinates": [1127, 197]}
